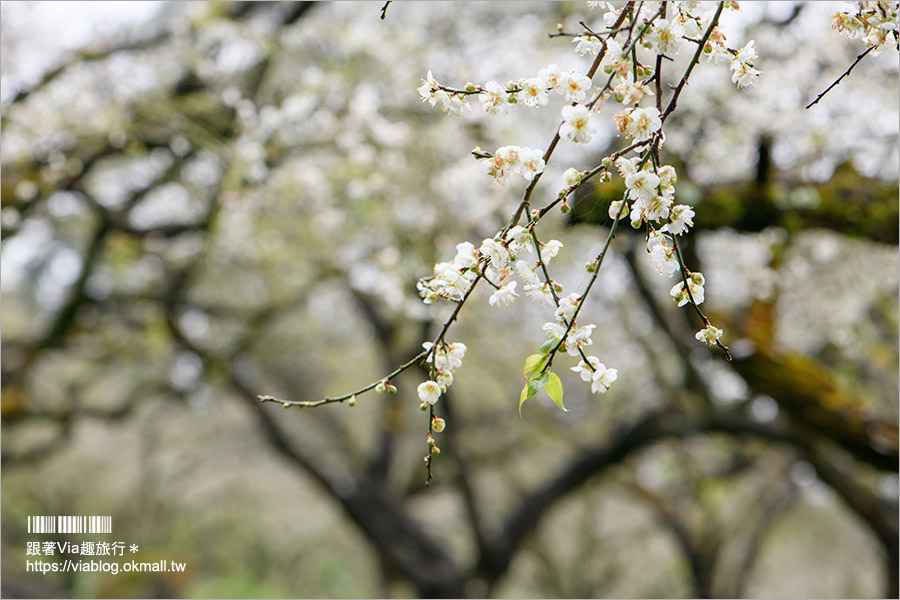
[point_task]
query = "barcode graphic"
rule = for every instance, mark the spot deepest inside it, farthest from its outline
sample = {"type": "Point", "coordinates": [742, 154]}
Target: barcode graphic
{"type": "Point", "coordinates": [70, 524]}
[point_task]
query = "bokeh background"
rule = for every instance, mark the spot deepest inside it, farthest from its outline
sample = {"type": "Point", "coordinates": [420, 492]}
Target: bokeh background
{"type": "Point", "coordinates": [206, 201]}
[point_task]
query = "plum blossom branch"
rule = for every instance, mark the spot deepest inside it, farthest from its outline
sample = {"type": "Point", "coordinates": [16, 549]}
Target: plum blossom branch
{"type": "Point", "coordinates": [516, 248]}
{"type": "Point", "coordinates": [859, 57]}
{"type": "Point", "coordinates": [595, 266]}
{"type": "Point", "coordinates": [352, 395]}
{"type": "Point", "coordinates": [691, 285]}
{"type": "Point", "coordinates": [673, 101]}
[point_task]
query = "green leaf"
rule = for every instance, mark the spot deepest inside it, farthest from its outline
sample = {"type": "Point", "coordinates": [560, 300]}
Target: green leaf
{"type": "Point", "coordinates": [531, 388]}
{"type": "Point", "coordinates": [522, 398]}
{"type": "Point", "coordinates": [533, 365]}
{"type": "Point", "coordinates": [555, 390]}
{"type": "Point", "coordinates": [537, 382]}
{"type": "Point", "coordinates": [546, 346]}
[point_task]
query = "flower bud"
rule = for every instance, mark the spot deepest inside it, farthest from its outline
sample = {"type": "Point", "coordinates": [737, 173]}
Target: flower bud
{"type": "Point", "coordinates": [438, 424]}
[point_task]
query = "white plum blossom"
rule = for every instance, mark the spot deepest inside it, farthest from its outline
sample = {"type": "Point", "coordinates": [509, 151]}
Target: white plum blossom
{"type": "Point", "coordinates": [745, 76]}
{"type": "Point", "coordinates": [539, 292]}
{"type": "Point", "coordinates": [747, 54]}
{"type": "Point", "coordinates": [656, 208]}
{"type": "Point", "coordinates": [432, 92]}
{"type": "Point", "coordinates": [691, 25]}
{"type": "Point", "coordinates": [742, 64]}
{"type": "Point", "coordinates": [507, 160]}
{"type": "Point", "coordinates": [644, 122]}
{"type": "Point", "coordinates": [873, 22]}
{"type": "Point", "coordinates": [611, 15]}
{"type": "Point", "coordinates": [577, 126]}
{"type": "Point", "coordinates": [716, 51]}
{"type": "Point", "coordinates": [519, 240]}
{"type": "Point", "coordinates": [495, 253]}
{"type": "Point", "coordinates": [597, 373]}
{"type": "Point", "coordinates": [667, 37]}
{"type": "Point", "coordinates": [449, 281]}
{"type": "Point", "coordinates": [667, 178]}
{"type": "Point", "coordinates": [534, 92]}
{"type": "Point", "coordinates": [586, 373]}
{"type": "Point", "coordinates": [444, 379]}
{"type": "Point", "coordinates": [555, 331]}
{"type": "Point", "coordinates": [603, 378]}
{"type": "Point", "coordinates": [532, 163]}
{"type": "Point", "coordinates": [447, 357]}
{"type": "Point", "coordinates": [551, 76]}
{"type": "Point", "coordinates": [550, 250]}
{"type": "Point", "coordinates": [458, 105]}
{"type": "Point", "coordinates": [642, 185]}
{"type": "Point", "coordinates": [628, 92]}
{"type": "Point", "coordinates": [616, 62]}
{"type": "Point", "coordinates": [494, 101]}
{"type": "Point", "coordinates": [587, 44]}
{"type": "Point", "coordinates": [566, 309]}
{"type": "Point", "coordinates": [465, 255]}
{"type": "Point", "coordinates": [627, 166]}
{"type": "Point", "coordinates": [579, 337]}
{"type": "Point", "coordinates": [709, 334]}
{"type": "Point", "coordinates": [497, 168]}
{"type": "Point", "coordinates": [662, 253]}
{"type": "Point", "coordinates": [574, 86]}
{"type": "Point", "coordinates": [511, 155]}
{"type": "Point", "coordinates": [505, 295]}
{"type": "Point", "coordinates": [429, 392]}
{"type": "Point", "coordinates": [454, 354]}
{"type": "Point", "coordinates": [680, 218]}
{"type": "Point", "coordinates": [695, 286]}
{"type": "Point", "coordinates": [526, 273]}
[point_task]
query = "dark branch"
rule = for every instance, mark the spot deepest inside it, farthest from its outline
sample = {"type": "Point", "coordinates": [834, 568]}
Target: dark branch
{"type": "Point", "coordinates": [838, 80]}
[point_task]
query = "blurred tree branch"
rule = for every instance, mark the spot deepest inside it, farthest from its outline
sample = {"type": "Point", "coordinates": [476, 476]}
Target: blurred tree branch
{"type": "Point", "coordinates": [821, 422]}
